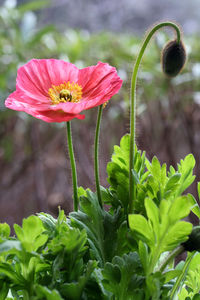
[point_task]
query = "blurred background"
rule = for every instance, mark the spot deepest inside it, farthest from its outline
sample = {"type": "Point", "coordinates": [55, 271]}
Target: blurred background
{"type": "Point", "coordinates": [34, 164]}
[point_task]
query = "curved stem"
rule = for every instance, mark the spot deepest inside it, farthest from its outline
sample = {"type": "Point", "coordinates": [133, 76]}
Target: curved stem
{"type": "Point", "coordinates": [133, 104]}
{"type": "Point", "coordinates": [73, 166]}
{"type": "Point", "coordinates": [182, 275]}
{"type": "Point", "coordinates": [178, 250]}
{"type": "Point", "coordinates": [96, 154]}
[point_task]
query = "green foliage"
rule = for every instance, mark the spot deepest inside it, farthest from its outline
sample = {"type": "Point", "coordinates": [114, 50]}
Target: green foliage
{"type": "Point", "coordinates": [101, 227]}
{"type": "Point", "coordinates": [99, 253]}
{"type": "Point", "coordinates": [163, 229]}
{"type": "Point", "coordinates": [191, 288]}
{"type": "Point", "coordinates": [123, 277]}
{"type": "Point", "coordinates": [118, 173]}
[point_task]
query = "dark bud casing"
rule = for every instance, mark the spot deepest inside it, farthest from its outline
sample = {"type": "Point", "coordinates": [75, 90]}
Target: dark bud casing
{"type": "Point", "coordinates": [173, 58]}
{"type": "Point", "coordinates": [193, 242]}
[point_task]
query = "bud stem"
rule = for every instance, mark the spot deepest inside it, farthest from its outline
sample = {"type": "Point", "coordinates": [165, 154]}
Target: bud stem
{"type": "Point", "coordinates": [73, 166]}
{"type": "Point", "coordinates": [178, 250]}
{"type": "Point", "coordinates": [96, 154]}
{"type": "Point", "coordinates": [132, 190]}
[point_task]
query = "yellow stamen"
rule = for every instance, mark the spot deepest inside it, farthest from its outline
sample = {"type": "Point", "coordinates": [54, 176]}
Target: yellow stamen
{"type": "Point", "coordinates": [105, 103]}
{"type": "Point", "coordinates": [65, 92]}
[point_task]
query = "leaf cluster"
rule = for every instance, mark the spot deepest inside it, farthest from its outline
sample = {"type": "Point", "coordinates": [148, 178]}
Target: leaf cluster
{"type": "Point", "coordinates": [104, 252]}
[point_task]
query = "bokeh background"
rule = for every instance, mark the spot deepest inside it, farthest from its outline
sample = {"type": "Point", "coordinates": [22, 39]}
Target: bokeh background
{"type": "Point", "coordinates": [34, 164]}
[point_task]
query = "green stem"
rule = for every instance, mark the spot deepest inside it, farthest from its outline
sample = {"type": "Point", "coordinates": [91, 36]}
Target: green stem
{"type": "Point", "coordinates": [133, 105]}
{"type": "Point", "coordinates": [178, 250]}
{"type": "Point", "coordinates": [181, 276]}
{"type": "Point", "coordinates": [73, 166]}
{"type": "Point", "coordinates": [96, 154]}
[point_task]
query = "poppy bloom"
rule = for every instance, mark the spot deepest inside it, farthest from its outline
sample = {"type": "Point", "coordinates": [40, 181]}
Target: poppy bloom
{"type": "Point", "coordinates": [57, 91]}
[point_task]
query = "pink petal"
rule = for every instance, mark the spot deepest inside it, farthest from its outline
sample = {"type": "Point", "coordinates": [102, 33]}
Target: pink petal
{"type": "Point", "coordinates": [40, 111]}
{"type": "Point", "coordinates": [18, 100]}
{"type": "Point", "coordinates": [38, 75]}
{"type": "Point", "coordinates": [51, 116]}
{"type": "Point", "coordinates": [99, 83]}
{"type": "Point", "coordinates": [98, 80]}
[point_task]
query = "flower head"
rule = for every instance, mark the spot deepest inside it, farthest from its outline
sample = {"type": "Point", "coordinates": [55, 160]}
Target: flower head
{"type": "Point", "coordinates": [173, 58]}
{"type": "Point", "coordinates": [57, 91]}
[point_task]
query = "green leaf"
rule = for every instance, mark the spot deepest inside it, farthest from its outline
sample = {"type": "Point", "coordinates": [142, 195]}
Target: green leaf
{"type": "Point", "coordinates": [172, 184]}
{"type": "Point", "coordinates": [4, 231]}
{"type": "Point", "coordinates": [90, 217]}
{"type": "Point", "coordinates": [10, 245]}
{"type": "Point", "coordinates": [43, 291]}
{"type": "Point", "coordinates": [4, 288]}
{"type": "Point", "coordinates": [171, 274]}
{"type": "Point", "coordinates": [74, 290]}
{"type": "Point", "coordinates": [163, 229]}
{"type": "Point", "coordinates": [122, 277]}
{"type": "Point", "coordinates": [192, 280]}
{"type": "Point", "coordinates": [82, 192]}
{"type": "Point", "coordinates": [118, 171]}
{"type": "Point", "coordinates": [48, 221]}
{"type": "Point", "coordinates": [33, 5]}
{"type": "Point", "coordinates": [185, 168]}
{"type": "Point", "coordinates": [15, 277]}
{"type": "Point", "coordinates": [144, 255]}
{"type": "Point", "coordinates": [152, 213]}
{"type": "Point", "coordinates": [195, 206]}
{"type": "Point", "coordinates": [198, 189]}
{"type": "Point", "coordinates": [179, 209]}
{"type": "Point", "coordinates": [102, 227]}
{"type": "Point", "coordinates": [31, 234]}
{"type": "Point", "coordinates": [139, 224]}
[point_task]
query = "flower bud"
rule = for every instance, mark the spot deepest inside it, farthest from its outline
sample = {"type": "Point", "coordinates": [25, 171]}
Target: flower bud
{"type": "Point", "coordinates": [173, 58]}
{"type": "Point", "coordinates": [193, 242]}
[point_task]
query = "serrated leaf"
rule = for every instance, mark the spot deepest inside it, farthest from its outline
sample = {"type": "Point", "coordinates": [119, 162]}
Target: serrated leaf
{"type": "Point", "coordinates": [179, 209]}
{"type": "Point", "coordinates": [73, 290]}
{"type": "Point", "coordinates": [118, 170]}
{"type": "Point", "coordinates": [122, 277]}
{"type": "Point", "coordinates": [152, 213]}
{"type": "Point", "coordinates": [177, 234]}
{"type": "Point", "coordinates": [31, 233]}
{"type": "Point", "coordinates": [101, 227]}
{"type": "Point", "coordinates": [139, 224]}
{"type": "Point", "coordinates": [185, 168]}
{"type": "Point", "coordinates": [172, 184]}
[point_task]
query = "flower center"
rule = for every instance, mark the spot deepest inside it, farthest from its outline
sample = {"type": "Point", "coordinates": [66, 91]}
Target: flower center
{"type": "Point", "coordinates": [65, 92]}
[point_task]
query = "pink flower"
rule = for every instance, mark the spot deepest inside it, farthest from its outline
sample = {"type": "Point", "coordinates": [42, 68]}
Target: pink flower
{"type": "Point", "coordinates": [57, 91]}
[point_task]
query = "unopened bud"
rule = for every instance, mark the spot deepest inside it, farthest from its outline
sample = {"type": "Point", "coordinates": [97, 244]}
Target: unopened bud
{"type": "Point", "coordinates": [173, 58]}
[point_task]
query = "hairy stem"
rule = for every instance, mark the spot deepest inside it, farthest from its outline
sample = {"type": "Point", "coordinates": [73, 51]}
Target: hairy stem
{"type": "Point", "coordinates": [73, 166]}
{"type": "Point", "coordinates": [133, 104]}
{"type": "Point", "coordinates": [178, 250]}
{"type": "Point", "coordinates": [96, 154]}
{"type": "Point", "coordinates": [181, 276]}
